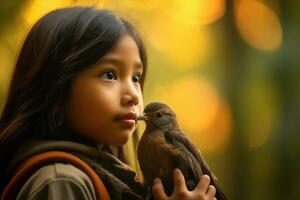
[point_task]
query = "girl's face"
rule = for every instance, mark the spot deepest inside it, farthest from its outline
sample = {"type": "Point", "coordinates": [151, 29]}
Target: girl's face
{"type": "Point", "coordinates": [106, 98]}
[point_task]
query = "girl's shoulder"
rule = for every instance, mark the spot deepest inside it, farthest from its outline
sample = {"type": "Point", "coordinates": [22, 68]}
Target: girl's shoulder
{"type": "Point", "coordinates": [58, 181]}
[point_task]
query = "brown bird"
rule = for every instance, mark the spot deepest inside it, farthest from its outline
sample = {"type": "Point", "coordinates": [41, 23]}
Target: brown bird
{"type": "Point", "coordinates": [164, 147]}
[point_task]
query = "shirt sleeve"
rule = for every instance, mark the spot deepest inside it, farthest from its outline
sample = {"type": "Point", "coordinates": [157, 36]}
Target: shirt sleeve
{"type": "Point", "coordinates": [57, 182]}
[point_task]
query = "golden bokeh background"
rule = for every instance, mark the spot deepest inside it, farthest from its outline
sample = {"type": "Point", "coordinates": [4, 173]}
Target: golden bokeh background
{"type": "Point", "coordinates": [229, 69]}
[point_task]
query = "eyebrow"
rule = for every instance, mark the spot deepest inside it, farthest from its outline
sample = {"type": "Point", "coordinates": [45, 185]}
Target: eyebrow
{"type": "Point", "coordinates": [119, 62]}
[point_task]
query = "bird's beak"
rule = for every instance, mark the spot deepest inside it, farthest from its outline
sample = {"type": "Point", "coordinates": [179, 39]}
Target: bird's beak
{"type": "Point", "coordinates": [142, 117]}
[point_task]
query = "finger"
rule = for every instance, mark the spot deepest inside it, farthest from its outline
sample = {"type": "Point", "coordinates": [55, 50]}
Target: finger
{"type": "Point", "coordinates": [179, 181]}
{"type": "Point", "coordinates": [158, 189]}
{"type": "Point", "coordinates": [211, 191]}
{"type": "Point", "coordinates": [203, 183]}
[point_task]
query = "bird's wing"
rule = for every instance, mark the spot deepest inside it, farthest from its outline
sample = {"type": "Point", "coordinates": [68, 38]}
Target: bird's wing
{"type": "Point", "coordinates": [183, 158]}
{"type": "Point", "coordinates": [177, 138]}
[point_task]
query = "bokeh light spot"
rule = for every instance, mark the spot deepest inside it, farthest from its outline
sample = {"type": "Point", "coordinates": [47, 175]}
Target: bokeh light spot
{"type": "Point", "coordinates": [36, 9]}
{"type": "Point", "coordinates": [201, 112]}
{"type": "Point", "coordinates": [139, 4]}
{"type": "Point", "coordinates": [185, 46]}
{"type": "Point", "coordinates": [258, 25]}
{"type": "Point", "coordinates": [196, 12]}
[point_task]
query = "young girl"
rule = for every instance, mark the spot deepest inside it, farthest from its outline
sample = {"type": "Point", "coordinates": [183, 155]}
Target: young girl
{"type": "Point", "coordinates": [77, 87]}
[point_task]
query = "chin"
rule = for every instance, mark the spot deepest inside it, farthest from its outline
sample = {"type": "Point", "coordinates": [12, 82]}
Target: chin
{"type": "Point", "coordinates": [123, 139]}
{"type": "Point", "coordinates": [118, 137]}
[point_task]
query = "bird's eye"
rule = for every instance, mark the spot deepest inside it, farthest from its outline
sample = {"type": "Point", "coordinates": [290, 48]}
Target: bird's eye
{"type": "Point", "coordinates": [158, 114]}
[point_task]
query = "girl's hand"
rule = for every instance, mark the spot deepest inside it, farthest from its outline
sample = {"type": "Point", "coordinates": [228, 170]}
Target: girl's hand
{"type": "Point", "coordinates": [203, 191]}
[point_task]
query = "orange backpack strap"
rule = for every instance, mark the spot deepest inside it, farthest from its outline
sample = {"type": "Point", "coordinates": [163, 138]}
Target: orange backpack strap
{"type": "Point", "coordinates": [29, 166]}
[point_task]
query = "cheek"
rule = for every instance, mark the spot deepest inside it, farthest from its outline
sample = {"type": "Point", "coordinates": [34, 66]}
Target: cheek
{"type": "Point", "coordinates": [85, 108]}
{"type": "Point", "coordinates": [141, 103]}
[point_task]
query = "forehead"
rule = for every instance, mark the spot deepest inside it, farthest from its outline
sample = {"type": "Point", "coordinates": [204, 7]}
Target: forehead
{"type": "Point", "coordinates": [125, 49]}
{"type": "Point", "coordinates": [124, 53]}
{"type": "Point", "coordinates": [125, 44]}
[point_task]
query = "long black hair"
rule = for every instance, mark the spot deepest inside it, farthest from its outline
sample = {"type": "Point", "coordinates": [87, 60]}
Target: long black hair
{"type": "Point", "coordinates": [59, 46]}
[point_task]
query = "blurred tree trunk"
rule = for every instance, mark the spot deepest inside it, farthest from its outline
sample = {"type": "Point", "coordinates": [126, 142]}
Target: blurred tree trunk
{"type": "Point", "coordinates": [234, 58]}
{"type": "Point", "coordinates": [287, 176]}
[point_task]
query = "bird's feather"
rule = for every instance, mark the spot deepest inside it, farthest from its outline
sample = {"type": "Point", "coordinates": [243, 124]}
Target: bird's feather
{"type": "Point", "coordinates": [193, 157]}
{"type": "Point", "coordinates": [187, 161]}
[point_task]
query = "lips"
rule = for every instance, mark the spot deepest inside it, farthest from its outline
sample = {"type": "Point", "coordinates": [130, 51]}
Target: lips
{"type": "Point", "coordinates": [128, 119]}
{"type": "Point", "coordinates": [127, 116]}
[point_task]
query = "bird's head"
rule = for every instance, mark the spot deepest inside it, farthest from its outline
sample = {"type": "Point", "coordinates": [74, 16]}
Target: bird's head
{"type": "Point", "coordinates": [158, 116]}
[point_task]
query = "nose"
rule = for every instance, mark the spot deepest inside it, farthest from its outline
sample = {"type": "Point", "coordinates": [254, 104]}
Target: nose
{"type": "Point", "coordinates": [130, 95]}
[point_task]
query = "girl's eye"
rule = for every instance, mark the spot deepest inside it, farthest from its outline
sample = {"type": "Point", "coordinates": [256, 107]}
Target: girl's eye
{"type": "Point", "coordinates": [136, 78]}
{"type": "Point", "coordinates": [110, 75]}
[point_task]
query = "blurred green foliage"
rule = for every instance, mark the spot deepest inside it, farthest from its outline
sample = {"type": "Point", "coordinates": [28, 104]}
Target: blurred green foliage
{"type": "Point", "coordinates": [9, 10]}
